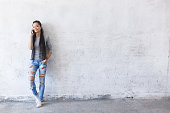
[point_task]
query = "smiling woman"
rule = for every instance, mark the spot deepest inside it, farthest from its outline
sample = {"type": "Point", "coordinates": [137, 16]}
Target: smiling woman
{"type": "Point", "coordinates": [38, 44]}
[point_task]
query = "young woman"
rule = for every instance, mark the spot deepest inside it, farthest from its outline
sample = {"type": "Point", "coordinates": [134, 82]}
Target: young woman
{"type": "Point", "coordinates": [41, 52]}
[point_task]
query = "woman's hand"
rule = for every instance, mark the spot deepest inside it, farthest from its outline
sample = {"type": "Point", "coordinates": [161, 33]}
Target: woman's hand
{"type": "Point", "coordinates": [32, 31]}
{"type": "Point", "coordinates": [44, 61]}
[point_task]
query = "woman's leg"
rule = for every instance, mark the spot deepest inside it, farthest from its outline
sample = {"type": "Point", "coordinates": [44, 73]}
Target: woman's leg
{"type": "Point", "coordinates": [42, 72]}
{"type": "Point", "coordinates": [33, 68]}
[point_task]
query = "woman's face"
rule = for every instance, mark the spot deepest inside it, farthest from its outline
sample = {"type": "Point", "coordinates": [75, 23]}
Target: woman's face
{"type": "Point", "coordinates": [36, 27]}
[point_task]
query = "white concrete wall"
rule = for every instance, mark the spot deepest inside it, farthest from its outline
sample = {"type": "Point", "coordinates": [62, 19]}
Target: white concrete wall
{"type": "Point", "coordinates": [100, 47]}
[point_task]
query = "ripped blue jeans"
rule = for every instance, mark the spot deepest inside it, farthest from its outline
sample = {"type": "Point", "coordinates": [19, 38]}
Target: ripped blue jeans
{"type": "Point", "coordinates": [37, 64]}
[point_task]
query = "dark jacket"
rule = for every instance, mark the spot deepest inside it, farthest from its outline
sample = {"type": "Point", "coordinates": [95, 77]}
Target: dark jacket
{"type": "Point", "coordinates": [43, 53]}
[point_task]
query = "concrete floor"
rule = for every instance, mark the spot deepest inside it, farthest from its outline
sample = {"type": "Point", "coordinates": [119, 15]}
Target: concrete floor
{"type": "Point", "coordinates": [90, 106]}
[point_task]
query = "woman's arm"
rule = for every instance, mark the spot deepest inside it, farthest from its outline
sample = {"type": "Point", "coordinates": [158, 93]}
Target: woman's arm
{"type": "Point", "coordinates": [49, 47]}
{"type": "Point", "coordinates": [31, 44]}
{"type": "Point", "coordinates": [48, 56]}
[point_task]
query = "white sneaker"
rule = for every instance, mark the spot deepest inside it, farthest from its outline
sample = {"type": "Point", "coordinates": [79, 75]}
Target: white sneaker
{"type": "Point", "coordinates": [36, 97]}
{"type": "Point", "coordinates": [38, 103]}
{"type": "Point", "coordinates": [44, 99]}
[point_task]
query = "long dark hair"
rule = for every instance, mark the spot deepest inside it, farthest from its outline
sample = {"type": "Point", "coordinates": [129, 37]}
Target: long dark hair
{"type": "Point", "coordinates": [41, 42]}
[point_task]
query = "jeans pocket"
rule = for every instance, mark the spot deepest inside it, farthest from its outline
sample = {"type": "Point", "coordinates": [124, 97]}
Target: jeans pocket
{"type": "Point", "coordinates": [43, 65]}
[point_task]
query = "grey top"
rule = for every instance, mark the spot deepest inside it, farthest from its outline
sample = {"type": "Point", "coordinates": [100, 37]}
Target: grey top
{"type": "Point", "coordinates": [37, 48]}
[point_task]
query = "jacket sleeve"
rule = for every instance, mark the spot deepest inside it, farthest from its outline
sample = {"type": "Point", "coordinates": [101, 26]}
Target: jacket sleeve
{"type": "Point", "coordinates": [48, 44]}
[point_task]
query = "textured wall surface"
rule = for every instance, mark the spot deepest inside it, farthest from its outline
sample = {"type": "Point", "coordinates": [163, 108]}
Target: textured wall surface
{"type": "Point", "coordinates": [100, 47]}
